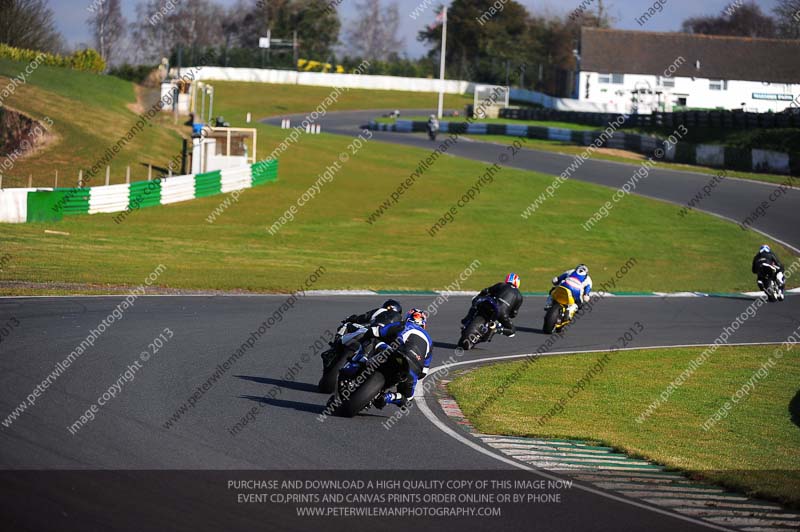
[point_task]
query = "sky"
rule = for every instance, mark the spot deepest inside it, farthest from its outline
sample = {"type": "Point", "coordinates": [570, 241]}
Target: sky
{"type": "Point", "coordinates": [71, 15]}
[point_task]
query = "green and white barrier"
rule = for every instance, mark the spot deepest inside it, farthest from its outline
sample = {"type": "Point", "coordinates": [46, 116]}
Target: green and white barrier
{"type": "Point", "coordinates": [715, 156]}
{"type": "Point", "coordinates": [20, 205]}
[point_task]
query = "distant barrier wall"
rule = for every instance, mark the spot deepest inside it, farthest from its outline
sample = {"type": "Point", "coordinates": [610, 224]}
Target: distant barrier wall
{"type": "Point", "coordinates": [715, 156]}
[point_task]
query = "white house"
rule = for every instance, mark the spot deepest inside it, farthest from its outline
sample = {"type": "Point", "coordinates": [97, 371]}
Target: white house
{"type": "Point", "coordinates": [642, 72]}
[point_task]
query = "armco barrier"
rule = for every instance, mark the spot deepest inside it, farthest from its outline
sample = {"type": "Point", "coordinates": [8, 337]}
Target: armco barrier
{"type": "Point", "coordinates": [19, 205]}
{"type": "Point", "coordinates": [683, 152]}
{"type": "Point", "coordinates": [716, 119]}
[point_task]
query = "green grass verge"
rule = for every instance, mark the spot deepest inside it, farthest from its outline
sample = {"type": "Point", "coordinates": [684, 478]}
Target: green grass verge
{"type": "Point", "coordinates": [236, 252]}
{"type": "Point", "coordinates": [633, 159]}
{"type": "Point", "coordinates": [753, 449]}
{"type": "Point", "coordinates": [236, 99]}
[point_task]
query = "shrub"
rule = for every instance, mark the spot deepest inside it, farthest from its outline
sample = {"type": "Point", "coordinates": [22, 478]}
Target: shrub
{"type": "Point", "coordinates": [86, 60]}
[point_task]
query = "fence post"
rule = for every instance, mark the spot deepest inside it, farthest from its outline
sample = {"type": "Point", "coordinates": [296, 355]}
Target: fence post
{"type": "Point", "coordinates": [108, 174]}
{"type": "Point", "coordinates": [55, 183]}
{"type": "Point", "coordinates": [30, 180]}
{"type": "Point", "coordinates": [149, 172]}
{"type": "Point", "coordinates": [80, 178]}
{"type": "Point", "coordinates": [128, 174]}
{"type": "Point", "coordinates": [1, 181]}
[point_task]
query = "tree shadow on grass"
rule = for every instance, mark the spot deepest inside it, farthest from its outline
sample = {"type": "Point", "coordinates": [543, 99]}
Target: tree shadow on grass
{"type": "Point", "coordinates": [794, 409]}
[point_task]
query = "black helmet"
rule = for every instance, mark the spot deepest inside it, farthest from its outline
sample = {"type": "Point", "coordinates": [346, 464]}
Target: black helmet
{"type": "Point", "coordinates": [393, 304]}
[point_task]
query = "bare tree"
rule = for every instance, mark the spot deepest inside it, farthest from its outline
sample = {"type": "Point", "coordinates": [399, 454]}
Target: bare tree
{"type": "Point", "coordinates": [108, 28]}
{"type": "Point", "coordinates": [374, 35]}
{"type": "Point", "coordinates": [746, 20]}
{"type": "Point", "coordinates": [29, 24]}
{"type": "Point", "coordinates": [162, 25]}
{"type": "Point", "coordinates": [788, 19]}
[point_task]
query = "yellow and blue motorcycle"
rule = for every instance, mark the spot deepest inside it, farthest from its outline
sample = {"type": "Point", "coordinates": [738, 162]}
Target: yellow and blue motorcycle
{"type": "Point", "coordinates": [559, 314]}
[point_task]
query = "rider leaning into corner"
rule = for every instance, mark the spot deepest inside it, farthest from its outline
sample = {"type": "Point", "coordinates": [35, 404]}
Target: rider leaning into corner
{"type": "Point", "coordinates": [508, 298]}
{"type": "Point", "coordinates": [578, 282]}
{"type": "Point", "coordinates": [410, 339]}
{"type": "Point", "coordinates": [766, 256]}
{"type": "Point", "coordinates": [391, 311]}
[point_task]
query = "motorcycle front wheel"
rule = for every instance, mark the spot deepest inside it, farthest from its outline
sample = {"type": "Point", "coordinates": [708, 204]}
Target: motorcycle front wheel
{"type": "Point", "coordinates": [330, 375]}
{"type": "Point", "coordinates": [551, 319]}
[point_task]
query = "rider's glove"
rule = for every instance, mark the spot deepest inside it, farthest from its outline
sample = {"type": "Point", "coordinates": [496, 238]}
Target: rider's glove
{"type": "Point", "coordinates": [586, 298]}
{"type": "Point", "coordinates": [352, 317]}
{"type": "Point", "coordinates": [555, 280]}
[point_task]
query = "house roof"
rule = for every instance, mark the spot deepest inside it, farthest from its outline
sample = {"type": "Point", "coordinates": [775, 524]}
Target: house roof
{"type": "Point", "coordinates": [731, 58]}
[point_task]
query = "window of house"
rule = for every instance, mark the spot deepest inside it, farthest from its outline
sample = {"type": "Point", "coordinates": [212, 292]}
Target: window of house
{"type": "Point", "coordinates": [666, 82]}
{"type": "Point", "coordinates": [717, 85]}
{"type": "Point", "coordinates": [617, 79]}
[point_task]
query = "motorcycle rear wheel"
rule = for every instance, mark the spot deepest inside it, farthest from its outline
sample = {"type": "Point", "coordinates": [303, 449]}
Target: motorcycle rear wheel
{"type": "Point", "coordinates": [470, 335]}
{"type": "Point", "coordinates": [362, 396]}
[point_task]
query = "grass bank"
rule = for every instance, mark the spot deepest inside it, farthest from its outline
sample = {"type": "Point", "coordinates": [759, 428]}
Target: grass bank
{"type": "Point", "coordinates": [753, 449]}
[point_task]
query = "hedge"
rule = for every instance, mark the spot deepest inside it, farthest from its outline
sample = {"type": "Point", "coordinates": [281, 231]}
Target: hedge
{"type": "Point", "coordinates": [85, 60]}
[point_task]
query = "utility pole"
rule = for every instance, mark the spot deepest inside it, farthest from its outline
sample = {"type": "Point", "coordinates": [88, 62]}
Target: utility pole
{"type": "Point", "coordinates": [442, 61]}
{"type": "Point", "coordinates": [294, 48]}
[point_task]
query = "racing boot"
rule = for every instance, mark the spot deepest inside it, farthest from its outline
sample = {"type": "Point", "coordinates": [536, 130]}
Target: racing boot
{"type": "Point", "coordinates": [389, 398]}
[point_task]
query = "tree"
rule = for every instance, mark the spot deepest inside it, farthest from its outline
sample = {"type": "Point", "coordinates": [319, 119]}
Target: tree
{"type": "Point", "coordinates": [374, 35]}
{"type": "Point", "coordinates": [788, 19]}
{"type": "Point", "coordinates": [745, 21]}
{"type": "Point", "coordinates": [482, 42]}
{"type": "Point", "coordinates": [108, 28]}
{"type": "Point", "coordinates": [29, 24]}
{"type": "Point", "coordinates": [163, 25]}
{"type": "Point", "coordinates": [317, 25]}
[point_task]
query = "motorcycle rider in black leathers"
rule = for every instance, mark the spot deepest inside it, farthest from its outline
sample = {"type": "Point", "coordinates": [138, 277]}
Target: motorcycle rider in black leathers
{"type": "Point", "coordinates": [389, 312]}
{"type": "Point", "coordinates": [508, 299]}
{"type": "Point", "coordinates": [766, 256]}
{"type": "Point", "coordinates": [353, 327]}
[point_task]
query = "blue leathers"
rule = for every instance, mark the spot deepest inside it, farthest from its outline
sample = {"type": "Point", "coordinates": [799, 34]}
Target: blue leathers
{"type": "Point", "coordinates": [413, 342]}
{"type": "Point", "coordinates": [579, 285]}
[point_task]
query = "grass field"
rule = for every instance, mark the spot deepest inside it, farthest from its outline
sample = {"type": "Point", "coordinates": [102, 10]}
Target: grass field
{"type": "Point", "coordinates": [89, 113]}
{"type": "Point", "coordinates": [754, 448]}
{"type": "Point", "coordinates": [237, 252]}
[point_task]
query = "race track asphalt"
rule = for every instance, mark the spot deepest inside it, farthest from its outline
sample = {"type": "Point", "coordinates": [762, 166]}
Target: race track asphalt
{"type": "Point", "coordinates": [128, 433]}
{"type": "Point", "coordinates": [151, 461]}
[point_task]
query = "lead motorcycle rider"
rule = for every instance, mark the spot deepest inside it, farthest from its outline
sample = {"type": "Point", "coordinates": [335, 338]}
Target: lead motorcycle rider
{"type": "Point", "coordinates": [765, 255]}
{"type": "Point", "coordinates": [576, 281]}
{"type": "Point", "coordinates": [432, 126]}
{"type": "Point", "coordinates": [354, 326]}
{"type": "Point", "coordinates": [409, 338]}
{"type": "Point", "coordinates": [508, 299]}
